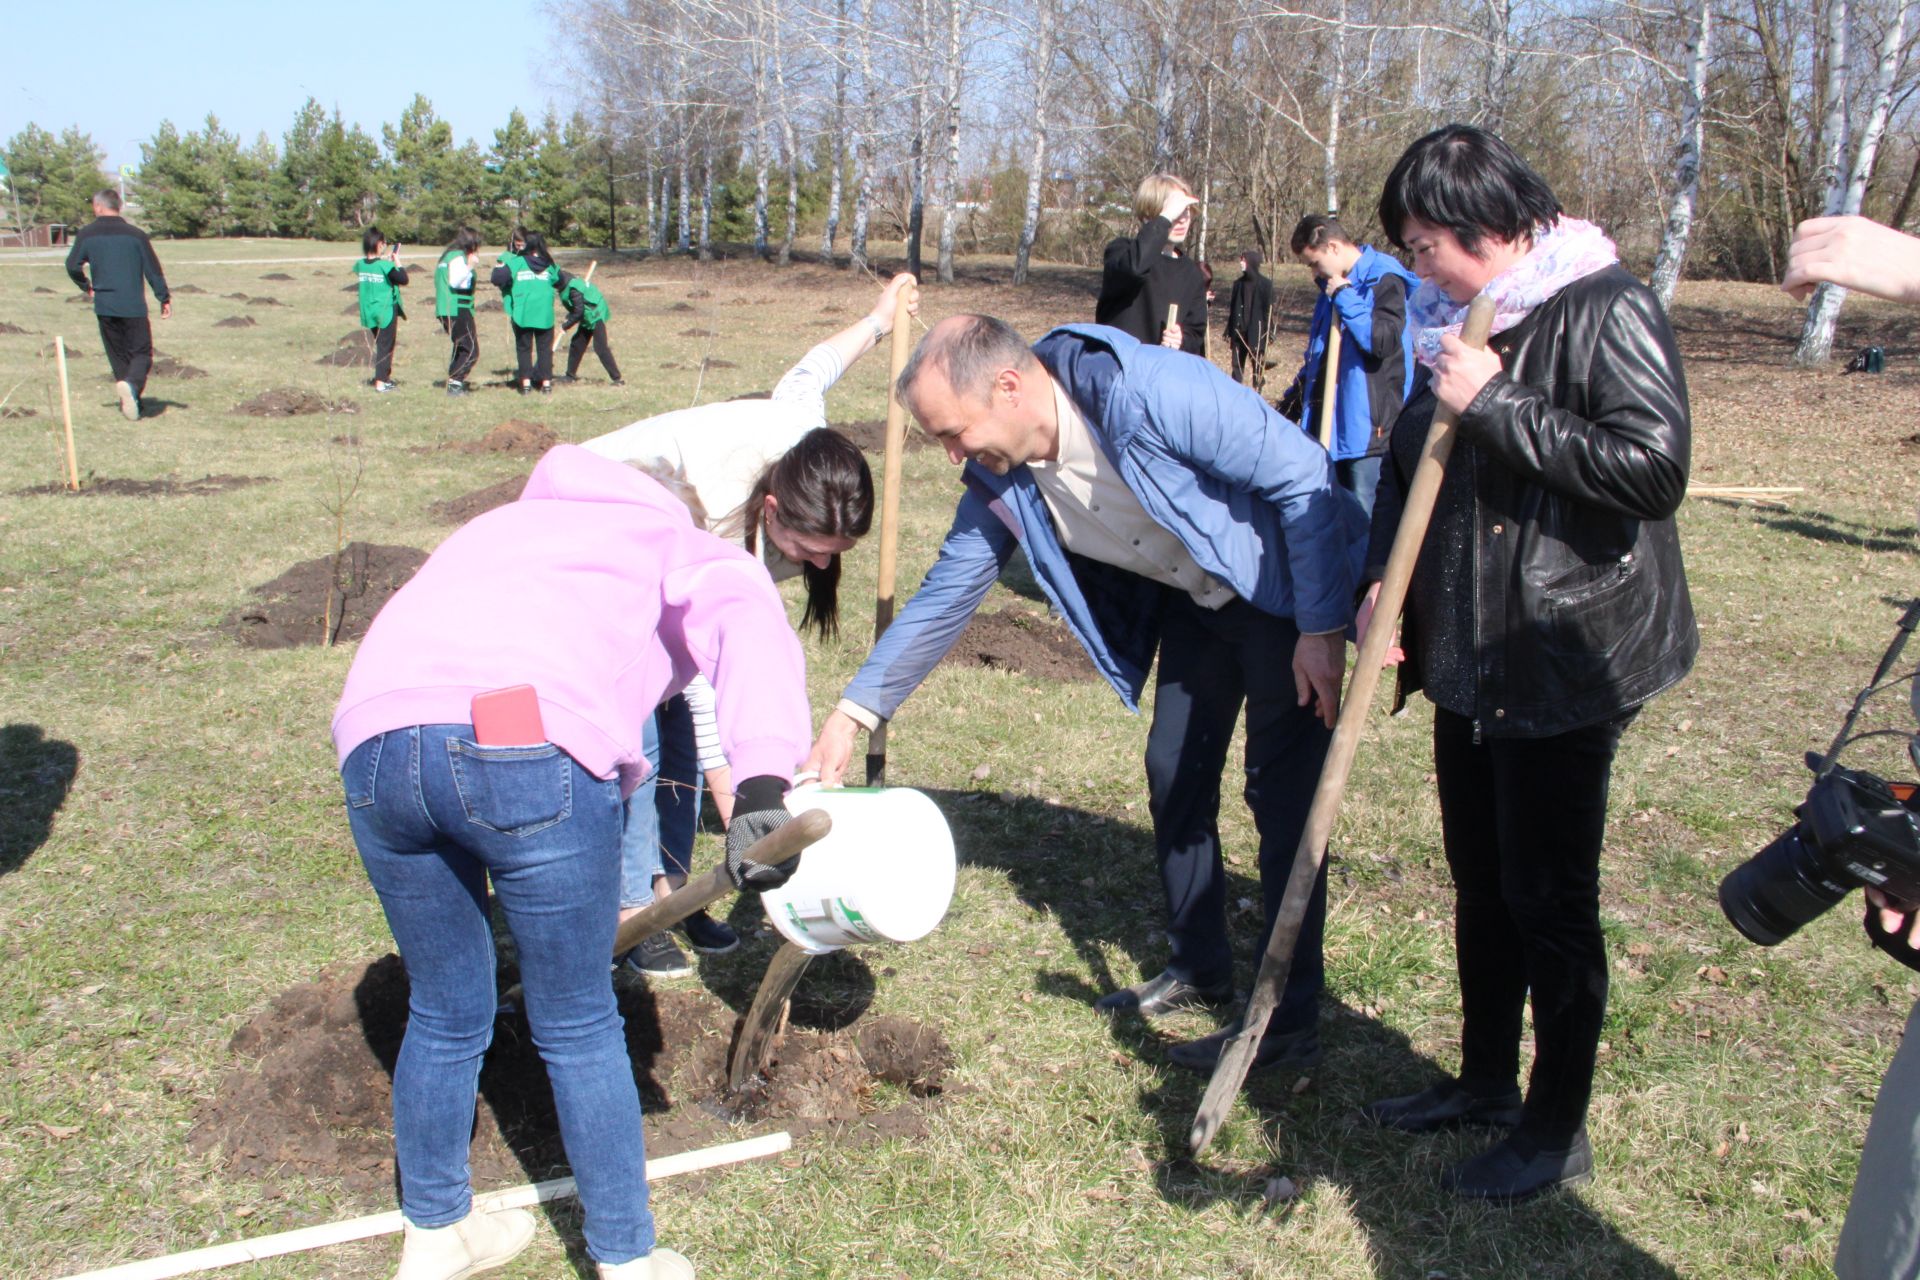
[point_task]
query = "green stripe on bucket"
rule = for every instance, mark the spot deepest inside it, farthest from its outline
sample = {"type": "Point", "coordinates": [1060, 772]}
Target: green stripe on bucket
{"type": "Point", "coordinates": [855, 922]}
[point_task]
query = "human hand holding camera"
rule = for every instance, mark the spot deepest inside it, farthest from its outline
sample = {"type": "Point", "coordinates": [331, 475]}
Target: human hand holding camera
{"type": "Point", "coordinates": [1894, 926]}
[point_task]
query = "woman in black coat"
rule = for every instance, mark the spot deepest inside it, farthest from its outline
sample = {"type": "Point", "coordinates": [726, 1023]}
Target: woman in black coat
{"type": "Point", "coordinates": [1548, 603]}
{"type": "Point", "coordinates": [1142, 276]}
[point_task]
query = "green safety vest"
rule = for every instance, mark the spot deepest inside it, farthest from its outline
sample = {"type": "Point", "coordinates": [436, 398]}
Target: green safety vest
{"type": "Point", "coordinates": [447, 301]}
{"type": "Point", "coordinates": [596, 312]}
{"type": "Point", "coordinates": [379, 297]}
{"type": "Point", "coordinates": [530, 296]}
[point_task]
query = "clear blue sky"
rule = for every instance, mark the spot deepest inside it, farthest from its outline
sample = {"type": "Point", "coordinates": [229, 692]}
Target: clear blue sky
{"type": "Point", "coordinates": [117, 69]}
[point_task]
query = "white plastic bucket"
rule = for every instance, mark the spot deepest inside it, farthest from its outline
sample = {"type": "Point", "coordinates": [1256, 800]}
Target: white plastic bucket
{"type": "Point", "coordinates": [883, 874]}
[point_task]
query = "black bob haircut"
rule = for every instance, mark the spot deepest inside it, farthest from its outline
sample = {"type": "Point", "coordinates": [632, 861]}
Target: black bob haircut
{"type": "Point", "coordinates": [1467, 180]}
{"type": "Point", "coordinates": [371, 240]}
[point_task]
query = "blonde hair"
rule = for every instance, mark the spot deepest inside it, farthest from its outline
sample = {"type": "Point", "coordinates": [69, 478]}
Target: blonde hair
{"type": "Point", "coordinates": [1151, 198]}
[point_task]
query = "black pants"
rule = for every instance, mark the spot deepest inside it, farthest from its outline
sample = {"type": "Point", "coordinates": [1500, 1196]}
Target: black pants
{"type": "Point", "coordinates": [383, 350]}
{"type": "Point", "coordinates": [577, 349]}
{"type": "Point", "coordinates": [1243, 356]}
{"type": "Point", "coordinates": [129, 343]}
{"type": "Point", "coordinates": [1523, 820]}
{"type": "Point", "coordinates": [533, 354]}
{"type": "Point", "coordinates": [466, 344]}
{"type": "Point", "coordinates": [1212, 662]}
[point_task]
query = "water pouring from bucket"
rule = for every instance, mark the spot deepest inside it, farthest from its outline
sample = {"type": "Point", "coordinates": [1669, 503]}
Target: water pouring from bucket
{"type": "Point", "coordinates": [884, 873]}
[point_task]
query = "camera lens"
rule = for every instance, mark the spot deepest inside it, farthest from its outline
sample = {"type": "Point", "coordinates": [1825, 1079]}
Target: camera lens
{"type": "Point", "coordinates": [1770, 895]}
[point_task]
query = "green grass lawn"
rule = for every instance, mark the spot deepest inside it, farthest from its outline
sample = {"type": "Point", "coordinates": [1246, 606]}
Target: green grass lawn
{"type": "Point", "coordinates": [173, 853]}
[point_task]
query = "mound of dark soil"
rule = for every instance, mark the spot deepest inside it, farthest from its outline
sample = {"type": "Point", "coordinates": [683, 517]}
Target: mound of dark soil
{"type": "Point", "coordinates": [698, 333]}
{"type": "Point", "coordinates": [265, 302]}
{"type": "Point", "coordinates": [871, 435]}
{"type": "Point", "coordinates": [468, 505]}
{"type": "Point", "coordinates": [241, 297]}
{"type": "Point", "coordinates": [699, 293]}
{"type": "Point", "coordinates": [40, 288]}
{"type": "Point", "coordinates": [351, 309]}
{"type": "Point", "coordinates": [276, 275]}
{"type": "Point", "coordinates": [236, 322]}
{"type": "Point", "coordinates": [291, 402]}
{"type": "Point", "coordinates": [171, 367]}
{"type": "Point", "coordinates": [80, 298]}
{"type": "Point", "coordinates": [163, 488]}
{"type": "Point", "coordinates": [681, 306]}
{"type": "Point", "coordinates": [714, 362]}
{"type": "Point", "coordinates": [324, 599]}
{"type": "Point", "coordinates": [11, 328]}
{"type": "Point", "coordinates": [515, 435]}
{"type": "Point", "coordinates": [16, 411]}
{"type": "Point", "coordinates": [187, 288]}
{"type": "Point", "coordinates": [345, 357]}
{"type": "Point", "coordinates": [491, 304]}
{"type": "Point", "coordinates": [1026, 643]}
{"type": "Point", "coordinates": [313, 1094]}
{"type": "Point", "coordinates": [321, 271]}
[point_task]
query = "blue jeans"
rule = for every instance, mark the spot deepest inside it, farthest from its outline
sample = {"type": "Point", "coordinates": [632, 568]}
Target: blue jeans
{"type": "Point", "coordinates": [1212, 662]}
{"type": "Point", "coordinates": [1360, 477]}
{"type": "Point", "coordinates": [664, 811]}
{"type": "Point", "coordinates": [435, 817]}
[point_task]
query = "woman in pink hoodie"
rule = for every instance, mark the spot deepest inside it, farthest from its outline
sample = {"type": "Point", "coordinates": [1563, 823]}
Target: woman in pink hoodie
{"type": "Point", "coordinates": [596, 589]}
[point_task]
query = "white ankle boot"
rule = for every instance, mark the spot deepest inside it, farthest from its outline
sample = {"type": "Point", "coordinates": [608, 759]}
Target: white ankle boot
{"type": "Point", "coordinates": [661, 1264]}
{"type": "Point", "coordinates": [478, 1242]}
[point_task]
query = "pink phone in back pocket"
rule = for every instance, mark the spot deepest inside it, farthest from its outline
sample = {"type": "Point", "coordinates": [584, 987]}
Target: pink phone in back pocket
{"type": "Point", "coordinates": [508, 718]}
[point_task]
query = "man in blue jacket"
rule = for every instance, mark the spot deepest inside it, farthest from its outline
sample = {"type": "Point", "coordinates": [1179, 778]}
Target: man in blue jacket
{"type": "Point", "coordinates": [1163, 507]}
{"type": "Point", "coordinates": [1367, 291]}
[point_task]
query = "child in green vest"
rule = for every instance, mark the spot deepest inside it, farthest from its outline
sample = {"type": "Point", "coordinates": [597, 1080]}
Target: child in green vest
{"type": "Point", "coordinates": [453, 303]}
{"type": "Point", "coordinates": [528, 279]}
{"type": "Point", "coordinates": [380, 275]}
{"type": "Point", "coordinates": [587, 307]}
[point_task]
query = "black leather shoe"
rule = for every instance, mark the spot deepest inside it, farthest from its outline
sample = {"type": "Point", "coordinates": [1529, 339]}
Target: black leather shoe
{"type": "Point", "coordinates": [1163, 994]}
{"type": "Point", "coordinates": [1299, 1050]}
{"type": "Point", "coordinates": [1518, 1169]}
{"type": "Point", "coordinates": [1446, 1105]}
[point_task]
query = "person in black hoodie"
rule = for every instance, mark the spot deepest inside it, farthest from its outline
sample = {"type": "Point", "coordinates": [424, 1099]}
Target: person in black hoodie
{"type": "Point", "coordinates": [1142, 277]}
{"type": "Point", "coordinates": [1247, 310]}
{"type": "Point", "coordinates": [111, 260]}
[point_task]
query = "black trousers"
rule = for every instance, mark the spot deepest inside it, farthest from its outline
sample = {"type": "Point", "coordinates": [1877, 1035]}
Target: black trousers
{"type": "Point", "coordinates": [1523, 820]}
{"type": "Point", "coordinates": [533, 354]}
{"type": "Point", "coordinates": [466, 344]}
{"type": "Point", "coordinates": [129, 344]}
{"type": "Point", "coordinates": [1212, 662]}
{"type": "Point", "coordinates": [383, 350]}
{"type": "Point", "coordinates": [1243, 356]}
{"type": "Point", "coordinates": [577, 350]}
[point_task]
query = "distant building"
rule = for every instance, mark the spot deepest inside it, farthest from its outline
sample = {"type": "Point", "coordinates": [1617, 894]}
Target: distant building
{"type": "Point", "coordinates": [45, 235]}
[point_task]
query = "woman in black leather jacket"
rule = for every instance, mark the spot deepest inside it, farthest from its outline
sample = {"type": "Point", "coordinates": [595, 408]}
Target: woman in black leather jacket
{"type": "Point", "coordinates": [1548, 603]}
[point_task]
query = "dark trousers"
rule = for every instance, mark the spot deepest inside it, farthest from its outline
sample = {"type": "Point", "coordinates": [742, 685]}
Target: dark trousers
{"type": "Point", "coordinates": [577, 350]}
{"type": "Point", "coordinates": [466, 344]}
{"type": "Point", "coordinates": [1249, 366]}
{"type": "Point", "coordinates": [1211, 663]}
{"type": "Point", "coordinates": [533, 354]}
{"type": "Point", "coordinates": [1523, 820]}
{"type": "Point", "coordinates": [129, 344]}
{"type": "Point", "coordinates": [383, 350]}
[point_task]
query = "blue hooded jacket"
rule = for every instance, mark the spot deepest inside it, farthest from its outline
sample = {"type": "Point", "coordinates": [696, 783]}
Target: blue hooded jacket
{"type": "Point", "coordinates": [1249, 496]}
{"type": "Point", "coordinates": [1353, 430]}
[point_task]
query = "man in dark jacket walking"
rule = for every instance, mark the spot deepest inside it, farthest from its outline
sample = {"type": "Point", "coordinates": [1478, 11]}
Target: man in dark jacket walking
{"type": "Point", "coordinates": [1247, 310]}
{"type": "Point", "coordinates": [111, 260]}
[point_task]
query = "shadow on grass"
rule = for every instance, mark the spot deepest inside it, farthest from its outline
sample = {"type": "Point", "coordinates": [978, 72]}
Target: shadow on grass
{"type": "Point", "coordinates": [1818, 526]}
{"type": "Point", "coordinates": [36, 772]}
{"type": "Point", "coordinates": [1097, 878]}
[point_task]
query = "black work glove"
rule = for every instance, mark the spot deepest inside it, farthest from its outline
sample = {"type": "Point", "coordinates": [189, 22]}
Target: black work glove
{"type": "Point", "coordinates": [1289, 403]}
{"type": "Point", "coordinates": [757, 810]}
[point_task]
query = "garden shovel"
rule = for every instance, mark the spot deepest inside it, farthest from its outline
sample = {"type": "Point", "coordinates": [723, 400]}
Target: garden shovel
{"type": "Point", "coordinates": [1332, 381]}
{"type": "Point", "coordinates": [1231, 1071]}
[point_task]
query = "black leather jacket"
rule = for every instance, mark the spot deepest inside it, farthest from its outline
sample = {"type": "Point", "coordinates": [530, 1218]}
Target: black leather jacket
{"type": "Point", "coordinates": [1555, 520]}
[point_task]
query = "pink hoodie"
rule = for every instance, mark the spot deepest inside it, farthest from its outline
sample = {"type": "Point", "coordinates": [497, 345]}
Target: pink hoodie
{"type": "Point", "coordinates": [596, 589]}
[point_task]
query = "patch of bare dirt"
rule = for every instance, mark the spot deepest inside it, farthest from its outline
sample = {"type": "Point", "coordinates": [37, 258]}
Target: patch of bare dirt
{"type": "Point", "coordinates": [167, 487]}
{"type": "Point", "coordinates": [468, 505]}
{"type": "Point", "coordinates": [681, 306]}
{"type": "Point", "coordinates": [1026, 643]}
{"type": "Point", "coordinates": [345, 357]}
{"type": "Point", "coordinates": [699, 293]}
{"type": "Point", "coordinates": [326, 599]}
{"type": "Point", "coordinates": [715, 362]}
{"type": "Point", "coordinates": [698, 333]}
{"type": "Point", "coordinates": [291, 402]}
{"type": "Point", "coordinates": [187, 288]}
{"type": "Point", "coordinates": [310, 1095]}
{"type": "Point", "coordinates": [40, 288]}
{"type": "Point", "coordinates": [172, 367]}
{"type": "Point", "coordinates": [870, 434]}
{"type": "Point", "coordinates": [12, 328]}
{"type": "Point", "coordinates": [276, 275]}
{"type": "Point", "coordinates": [236, 322]}
{"type": "Point", "coordinates": [515, 436]}
{"type": "Point", "coordinates": [265, 302]}
{"type": "Point", "coordinates": [16, 411]}
{"type": "Point", "coordinates": [490, 304]}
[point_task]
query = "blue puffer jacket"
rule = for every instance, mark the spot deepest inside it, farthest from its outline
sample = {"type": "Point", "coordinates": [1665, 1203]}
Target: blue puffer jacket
{"type": "Point", "coordinates": [1364, 405]}
{"type": "Point", "coordinates": [1250, 497]}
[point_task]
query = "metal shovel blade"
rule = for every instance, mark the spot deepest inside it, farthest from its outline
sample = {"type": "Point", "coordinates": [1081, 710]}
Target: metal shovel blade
{"type": "Point", "coordinates": [765, 1019]}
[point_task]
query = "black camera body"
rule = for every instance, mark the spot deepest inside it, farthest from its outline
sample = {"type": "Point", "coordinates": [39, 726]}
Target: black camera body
{"type": "Point", "coordinates": [1853, 830]}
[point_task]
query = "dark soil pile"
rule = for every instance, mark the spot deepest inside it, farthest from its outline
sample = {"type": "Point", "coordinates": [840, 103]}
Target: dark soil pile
{"type": "Point", "coordinates": [16, 411]}
{"type": "Point", "coordinates": [325, 599]}
{"type": "Point", "coordinates": [515, 436]}
{"type": "Point", "coordinates": [173, 367]}
{"type": "Point", "coordinates": [491, 304]}
{"type": "Point", "coordinates": [265, 302]}
{"type": "Point", "coordinates": [187, 288]}
{"type": "Point", "coordinates": [205, 486]}
{"type": "Point", "coordinates": [241, 297]}
{"type": "Point", "coordinates": [236, 322]}
{"type": "Point", "coordinates": [291, 402]}
{"type": "Point", "coordinates": [698, 333]}
{"type": "Point", "coordinates": [11, 328]}
{"type": "Point", "coordinates": [1026, 643]}
{"type": "Point", "coordinates": [313, 1096]}
{"type": "Point", "coordinates": [468, 505]}
{"type": "Point", "coordinates": [871, 435]}
{"type": "Point", "coordinates": [276, 275]}
{"type": "Point", "coordinates": [40, 288]}
{"type": "Point", "coordinates": [714, 362]}
{"type": "Point", "coordinates": [681, 306]}
{"type": "Point", "coordinates": [345, 357]}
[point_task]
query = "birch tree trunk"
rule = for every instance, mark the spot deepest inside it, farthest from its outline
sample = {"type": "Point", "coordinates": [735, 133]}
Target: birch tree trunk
{"type": "Point", "coordinates": [950, 182]}
{"type": "Point", "coordinates": [863, 141]}
{"type": "Point", "coordinates": [1163, 86]}
{"type": "Point", "coordinates": [1042, 72]}
{"type": "Point", "coordinates": [686, 195]}
{"type": "Point", "coordinates": [1337, 95]}
{"type": "Point", "coordinates": [788, 144]}
{"type": "Point", "coordinates": [706, 204]}
{"type": "Point", "coordinates": [837, 146]}
{"type": "Point", "coordinates": [653, 206]}
{"type": "Point", "coordinates": [1686, 169]}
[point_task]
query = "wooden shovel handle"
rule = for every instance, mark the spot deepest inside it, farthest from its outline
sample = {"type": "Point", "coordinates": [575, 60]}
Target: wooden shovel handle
{"type": "Point", "coordinates": [1332, 381]}
{"type": "Point", "coordinates": [891, 470]}
{"type": "Point", "coordinates": [1231, 1071]}
{"type": "Point", "coordinates": [771, 849]}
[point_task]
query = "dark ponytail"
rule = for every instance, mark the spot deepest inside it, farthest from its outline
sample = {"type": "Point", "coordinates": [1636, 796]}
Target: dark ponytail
{"type": "Point", "coordinates": [822, 488]}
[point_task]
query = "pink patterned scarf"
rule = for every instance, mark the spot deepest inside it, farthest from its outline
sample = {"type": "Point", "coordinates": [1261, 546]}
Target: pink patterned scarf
{"type": "Point", "coordinates": [1569, 250]}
